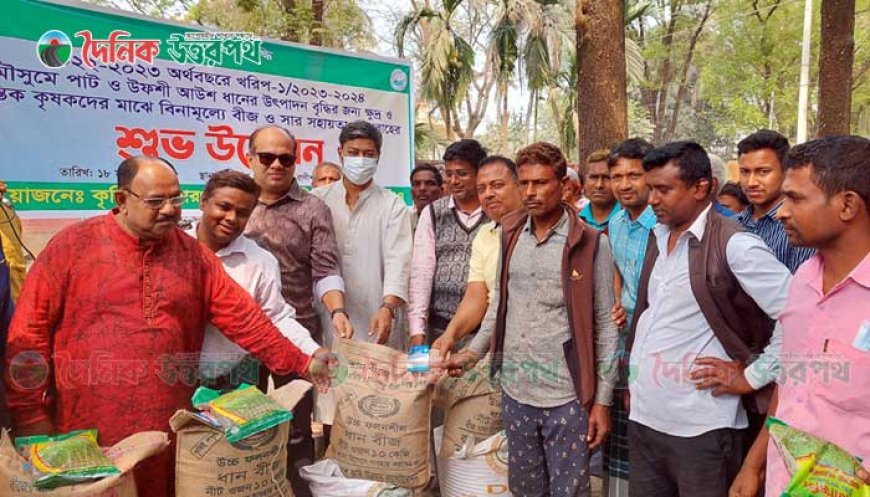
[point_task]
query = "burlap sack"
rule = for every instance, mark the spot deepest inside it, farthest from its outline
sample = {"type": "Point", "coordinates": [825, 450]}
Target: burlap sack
{"type": "Point", "coordinates": [381, 426]}
{"type": "Point", "coordinates": [472, 404]}
{"type": "Point", "coordinates": [206, 464]}
{"type": "Point", "coordinates": [16, 482]}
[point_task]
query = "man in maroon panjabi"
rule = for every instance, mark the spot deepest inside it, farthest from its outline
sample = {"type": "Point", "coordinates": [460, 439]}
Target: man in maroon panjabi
{"type": "Point", "coordinates": [111, 318]}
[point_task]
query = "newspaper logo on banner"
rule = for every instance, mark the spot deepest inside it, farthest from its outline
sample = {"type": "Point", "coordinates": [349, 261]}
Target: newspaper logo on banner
{"type": "Point", "coordinates": [209, 49]}
{"type": "Point", "coordinates": [115, 49]}
{"type": "Point", "coordinates": [54, 49]}
{"type": "Point", "coordinates": [398, 80]}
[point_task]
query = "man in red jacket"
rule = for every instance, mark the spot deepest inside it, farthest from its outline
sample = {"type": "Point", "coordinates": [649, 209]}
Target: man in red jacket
{"type": "Point", "coordinates": [110, 322]}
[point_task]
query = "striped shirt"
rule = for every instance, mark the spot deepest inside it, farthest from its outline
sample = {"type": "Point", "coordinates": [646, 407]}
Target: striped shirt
{"type": "Point", "coordinates": [628, 239]}
{"type": "Point", "coordinates": [770, 229]}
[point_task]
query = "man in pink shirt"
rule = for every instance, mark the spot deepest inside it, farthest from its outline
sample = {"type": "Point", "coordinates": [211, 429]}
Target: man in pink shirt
{"type": "Point", "coordinates": [824, 385]}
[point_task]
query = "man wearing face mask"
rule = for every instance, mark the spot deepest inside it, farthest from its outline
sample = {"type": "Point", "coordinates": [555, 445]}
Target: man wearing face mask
{"type": "Point", "coordinates": [373, 230]}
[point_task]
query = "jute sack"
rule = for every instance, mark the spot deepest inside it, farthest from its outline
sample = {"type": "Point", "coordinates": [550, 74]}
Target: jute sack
{"type": "Point", "coordinates": [472, 404]}
{"type": "Point", "coordinates": [206, 464]}
{"type": "Point", "coordinates": [16, 482]}
{"type": "Point", "coordinates": [381, 426]}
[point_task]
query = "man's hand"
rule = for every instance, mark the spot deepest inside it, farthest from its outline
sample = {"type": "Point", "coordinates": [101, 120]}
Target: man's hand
{"type": "Point", "coordinates": [618, 314]}
{"type": "Point", "coordinates": [747, 483]}
{"type": "Point", "coordinates": [341, 325]}
{"type": "Point", "coordinates": [44, 427]}
{"type": "Point", "coordinates": [441, 350]}
{"type": "Point", "coordinates": [321, 369]}
{"type": "Point", "coordinates": [724, 377]}
{"type": "Point", "coordinates": [381, 325]}
{"type": "Point", "coordinates": [416, 340]}
{"type": "Point", "coordinates": [461, 362]}
{"type": "Point", "coordinates": [864, 475]}
{"type": "Point", "coordinates": [599, 425]}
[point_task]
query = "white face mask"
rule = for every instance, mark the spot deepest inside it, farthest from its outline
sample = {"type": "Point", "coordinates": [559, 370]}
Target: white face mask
{"type": "Point", "coordinates": [359, 170]}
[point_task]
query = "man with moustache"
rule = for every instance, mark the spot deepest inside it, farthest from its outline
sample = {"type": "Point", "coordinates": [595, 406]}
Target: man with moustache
{"type": "Point", "coordinates": [553, 344]}
{"type": "Point", "coordinates": [427, 186]}
{"type": "Point", "coordinates": [227, 201]}
{"type": "Point", "coordinates": [760, 156]}
{"type": "Point", "coordinates": [442, 245]}
{"type": "Point", "coordinates": [827, 197]}
{"type": "Point", "coordinates": [628, 232]}
{"type": "Point", "coordinates": [708, 293]}
{"type": "Point", "coordinates": [325, 173]}
{"type": "Point", "coordinates": [499, 196]}
{"type": "Point", "coordinates": [602, 204]}
{"type": "Point", "coordinates": [140, 300]}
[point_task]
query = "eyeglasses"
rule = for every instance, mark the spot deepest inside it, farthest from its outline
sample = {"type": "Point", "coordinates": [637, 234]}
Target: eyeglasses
{"type": "Point", "coordinates": [266, 159]}
{"type": "Point", "coordinates": [460, 173]}
{"type": "Point", "coordinates": [157, 203]}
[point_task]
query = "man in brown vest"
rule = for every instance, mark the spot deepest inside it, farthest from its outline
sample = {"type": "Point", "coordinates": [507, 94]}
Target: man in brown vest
{"type": "Point", "coordinates": [707, 289]}
{"type": "Point", "coordinates": [553, 344]}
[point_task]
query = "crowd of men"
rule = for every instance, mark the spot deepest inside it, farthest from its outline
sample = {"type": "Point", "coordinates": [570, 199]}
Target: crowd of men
{"type": "Point", "coordinates": [634, 305]}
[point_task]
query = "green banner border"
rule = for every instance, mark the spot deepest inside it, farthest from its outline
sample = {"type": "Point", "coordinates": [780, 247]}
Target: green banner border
{"type": "Point", "coordinates": [48, 197]}
{"type": "Point", "coordinates": [30, 19]}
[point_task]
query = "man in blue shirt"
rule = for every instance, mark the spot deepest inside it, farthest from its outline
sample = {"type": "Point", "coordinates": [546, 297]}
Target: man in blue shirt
{"type": "Point", "coordinates": [629, 231]}
{"type": "Point", "coordinates": [602, 204]}
{"type": "Point", "coordinates": [760, 157]}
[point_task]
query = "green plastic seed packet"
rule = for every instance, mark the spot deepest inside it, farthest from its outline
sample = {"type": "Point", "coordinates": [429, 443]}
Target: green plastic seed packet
{"type": "Point", "coordinates": [67, 459]}
{"type": "Point", "coordinates": [817, 467]}
{"type": "Point", "coordinates": [242, 412]}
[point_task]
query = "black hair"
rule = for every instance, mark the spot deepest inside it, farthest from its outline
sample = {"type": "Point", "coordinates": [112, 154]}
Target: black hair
{"type": "Point", "coordinates": [764, 139]}
{"type": "Point", "coordinates": [546, 154]}
{"type": "Point", "coordinates": [129, 168]}
{"type": "Point", "coordinates": [734, 189]}
{"type": "Point", "coordinates": [468, 150]}
{"type": "Point", "coordinates": [688, 156]}
{"type": "Point", "coordinates": [839, 163]}
{"type": "Point", "coordinates": [500, 159]}
{"type": "Point", "coordinates": [361, 129]}
{"type": "Point", "coordinates": [633, 148]}
{"type": "Point", "coordinates": [263, 128]}
{"type": "Point", "coordinates": [229, 178]}
{"type": "Point", "coordinates": [432, 169]}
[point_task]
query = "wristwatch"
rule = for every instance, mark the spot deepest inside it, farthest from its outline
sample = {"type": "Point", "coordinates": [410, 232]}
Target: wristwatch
{"type": "Point", "coordinates": [337, 310]}
{"type": "Point", "coordinates": [390, 307]}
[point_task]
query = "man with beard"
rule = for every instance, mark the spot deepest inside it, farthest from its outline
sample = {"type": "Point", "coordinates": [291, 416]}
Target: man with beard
{"type": "Point", "coordinates": [442, 245]}
{"type": "Point", "coordinates": [602, 204]}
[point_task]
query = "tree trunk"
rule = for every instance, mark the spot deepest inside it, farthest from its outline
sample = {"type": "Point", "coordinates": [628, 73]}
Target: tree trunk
{"type": "Point", "coordinates": [601, 86]}
{"type": "Point", "coordinates": [317, 35]}
{"type": "Point", "coordinates": [835, 66]}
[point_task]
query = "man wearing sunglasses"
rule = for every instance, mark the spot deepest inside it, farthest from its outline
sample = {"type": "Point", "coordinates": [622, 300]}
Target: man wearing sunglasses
{"type": "Point", "coordinates": [296, 227]}
{"type": "Point", "coordinates": [111, 319]}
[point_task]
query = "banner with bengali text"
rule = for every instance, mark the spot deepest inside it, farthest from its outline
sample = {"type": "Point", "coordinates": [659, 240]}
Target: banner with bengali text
{"type": "Point", "coordinates": [82, 88]}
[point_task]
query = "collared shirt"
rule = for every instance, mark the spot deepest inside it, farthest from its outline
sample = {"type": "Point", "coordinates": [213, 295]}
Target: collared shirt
{"type": "Point", "coordinates": [297, 229]}
{"type": "Point", "coordinates": [374, 242]}
{"type": "Point", "coordinates": [771, 230]}
{"type": "Point", "coordinates": [424, 261]}
{"type": "Point", "coordinates": [534, 370]}
{"type": "Point", "coordinates": [483, 264]}
{"type": "Point", "coordinates": [586, 215]}
{"type": "Point", "coordinates": [628, 240]}
{"type": "Point", "coordinates": [672, 332]}
{"type": "Point", "coordinates": [825, 382]}
{"type": "Point", "coordinates": [258, 272]}
{"type": "Point", "coordinates": [10, 239]}
{"type": "Point", "coordinates": [120, 323]}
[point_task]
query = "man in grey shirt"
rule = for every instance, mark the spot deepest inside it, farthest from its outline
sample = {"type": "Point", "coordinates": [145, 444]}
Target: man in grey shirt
{"type": "Point", "coordinates": [554, 344]}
